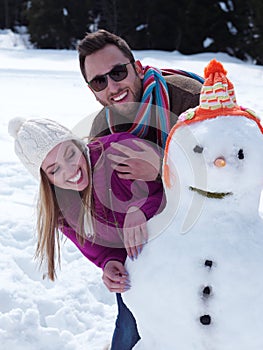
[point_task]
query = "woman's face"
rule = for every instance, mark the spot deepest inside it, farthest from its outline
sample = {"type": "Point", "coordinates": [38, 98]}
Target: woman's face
{"type": "Point", "coordinates": [66, 167]}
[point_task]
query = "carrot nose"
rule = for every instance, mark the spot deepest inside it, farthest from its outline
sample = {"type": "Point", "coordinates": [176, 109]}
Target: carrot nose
{"type": "Point", "coordinates": [220, 162]}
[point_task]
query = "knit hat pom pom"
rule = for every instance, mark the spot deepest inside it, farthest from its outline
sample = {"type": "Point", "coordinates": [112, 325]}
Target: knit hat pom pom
{"type": "Point", "coordinates": [214, 67]}
{"type": "Point", "coordinates": [14, 126]}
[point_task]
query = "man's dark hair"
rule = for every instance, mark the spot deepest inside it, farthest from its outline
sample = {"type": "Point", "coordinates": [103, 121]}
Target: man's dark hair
{"type": "Point", "coordinates": [93, 42]}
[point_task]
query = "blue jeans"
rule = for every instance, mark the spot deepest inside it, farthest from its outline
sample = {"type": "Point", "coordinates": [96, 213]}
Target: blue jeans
{"type": "Point", "coordinates": [125, 335]}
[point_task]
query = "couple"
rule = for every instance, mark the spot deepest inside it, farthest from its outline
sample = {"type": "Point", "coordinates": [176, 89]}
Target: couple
{"type": "Point", "coordinates": [100, 195]}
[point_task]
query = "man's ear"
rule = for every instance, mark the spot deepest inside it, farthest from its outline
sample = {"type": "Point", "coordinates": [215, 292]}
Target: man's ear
{"type": "Point", "coordinates": [139, 69]}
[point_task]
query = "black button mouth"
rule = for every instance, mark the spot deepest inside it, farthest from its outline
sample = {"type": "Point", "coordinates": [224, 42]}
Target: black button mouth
{"type": "Point", "coordinates": [205, 320]}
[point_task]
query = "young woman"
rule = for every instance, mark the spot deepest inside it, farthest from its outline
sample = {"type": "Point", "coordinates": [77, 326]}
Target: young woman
{"type": "Point", "coordinates": [82, 196]}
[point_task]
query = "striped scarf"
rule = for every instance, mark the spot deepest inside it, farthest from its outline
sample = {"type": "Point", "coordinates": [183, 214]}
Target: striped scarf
{"type": "Point", "coordinates": [154, 89]}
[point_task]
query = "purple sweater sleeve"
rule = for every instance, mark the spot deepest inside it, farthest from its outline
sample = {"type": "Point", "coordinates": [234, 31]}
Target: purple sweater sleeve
{"type": "Point", "coordinates": [97, 254]}
{"type": "Point", "coordinates": [155, 201]}
{"type": "Point", "coordinates": [149, 196]}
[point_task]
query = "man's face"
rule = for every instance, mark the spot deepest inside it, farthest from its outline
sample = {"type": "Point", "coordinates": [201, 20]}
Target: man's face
{"type": "Point", "coordinates": [117, 94]}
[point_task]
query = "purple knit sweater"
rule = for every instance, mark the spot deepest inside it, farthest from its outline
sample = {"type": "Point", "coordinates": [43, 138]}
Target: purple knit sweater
{"type": "Point", "coordinates": [112, 197]}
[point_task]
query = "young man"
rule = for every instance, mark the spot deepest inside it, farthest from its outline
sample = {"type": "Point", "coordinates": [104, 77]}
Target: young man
{"type": "Point", "coordinates": [139, 100]}
{"type": "Point", "coordinates": [135, 98]}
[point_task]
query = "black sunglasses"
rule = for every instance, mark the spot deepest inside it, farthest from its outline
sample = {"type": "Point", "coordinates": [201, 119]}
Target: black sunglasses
{"type": "Point", "coordinates": [118, 73]}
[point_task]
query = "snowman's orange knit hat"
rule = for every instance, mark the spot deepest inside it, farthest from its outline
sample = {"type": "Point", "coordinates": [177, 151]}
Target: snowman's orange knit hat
{"type": "Point", "coordinates": [217, 98]}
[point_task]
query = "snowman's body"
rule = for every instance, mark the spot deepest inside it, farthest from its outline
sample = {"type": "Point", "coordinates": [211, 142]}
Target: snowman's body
{"type": "Point", "coordinates": [198, 284]}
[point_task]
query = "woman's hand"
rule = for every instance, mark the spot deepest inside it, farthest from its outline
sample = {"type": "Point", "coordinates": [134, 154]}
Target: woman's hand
{"type": "Point", "coordinates": [115, 277]}
{"type": "Point", "coordinates": [135, 232]}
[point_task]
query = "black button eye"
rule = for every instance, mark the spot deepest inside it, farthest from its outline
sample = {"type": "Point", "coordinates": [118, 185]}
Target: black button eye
{"type": "Point", "coordinates": [240, 154]}
{"type": "Point", "coordinates": [198, 149]}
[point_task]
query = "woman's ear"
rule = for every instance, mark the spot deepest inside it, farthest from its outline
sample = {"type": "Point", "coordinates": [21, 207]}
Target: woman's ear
{"type": "Point", "coordinates": [139, 69]}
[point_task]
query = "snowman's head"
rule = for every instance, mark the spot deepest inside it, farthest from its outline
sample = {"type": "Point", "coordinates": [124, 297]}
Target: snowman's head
{"type": "Point", "coordinates": [215, 151]}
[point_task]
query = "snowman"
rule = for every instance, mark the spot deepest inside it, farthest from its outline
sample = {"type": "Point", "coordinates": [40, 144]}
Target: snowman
{"type": "Point", "coordinates": [198, 283]}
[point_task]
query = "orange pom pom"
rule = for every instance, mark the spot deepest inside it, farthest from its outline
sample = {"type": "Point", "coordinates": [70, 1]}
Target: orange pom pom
{"type": "Point", "coordinates": [214, 67]}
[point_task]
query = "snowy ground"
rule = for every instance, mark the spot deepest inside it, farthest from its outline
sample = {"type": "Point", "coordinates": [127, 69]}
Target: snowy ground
{"type": "Point", "coordinates": [76, 312]}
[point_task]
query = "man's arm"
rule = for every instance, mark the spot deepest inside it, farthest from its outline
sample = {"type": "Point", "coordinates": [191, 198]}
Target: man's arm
{"type": "Point", "coordinates": [184, 93]}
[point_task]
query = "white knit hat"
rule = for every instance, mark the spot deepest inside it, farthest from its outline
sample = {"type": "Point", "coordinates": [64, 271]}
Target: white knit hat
{"type": "Point", "coordinates": [35, 138]}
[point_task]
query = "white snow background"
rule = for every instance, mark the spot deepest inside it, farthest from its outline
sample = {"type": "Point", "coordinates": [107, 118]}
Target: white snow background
{"type": "Point", "coordinates": [75, 312]}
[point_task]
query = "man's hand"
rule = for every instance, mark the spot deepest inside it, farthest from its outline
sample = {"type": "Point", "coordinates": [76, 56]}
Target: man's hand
{"type": "Point", "coordinates": [135, 232]}
{"type": "Point", "coordinates": [115, 277]}
{"type": "Point", "coordinates": [136, 165]}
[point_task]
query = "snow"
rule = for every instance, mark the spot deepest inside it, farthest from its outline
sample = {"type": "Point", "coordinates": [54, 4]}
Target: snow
{"type": "Point", "coordinates": [76, 312]}
{"type": "Point", "coordinates": [11, 40]}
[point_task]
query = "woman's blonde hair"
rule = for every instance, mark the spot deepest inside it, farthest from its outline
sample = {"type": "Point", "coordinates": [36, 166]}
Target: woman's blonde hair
{"type": "Point", "coordinates": [50, 218]}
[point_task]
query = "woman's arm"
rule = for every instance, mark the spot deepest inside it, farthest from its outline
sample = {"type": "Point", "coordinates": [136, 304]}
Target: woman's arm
{"type": "Point", "coordinates": [111, 260]}
{"type": "Point", "coordinates": [146, 198]}
{"type": "Point", "coordinates": [97, 254]}
{"type": "Point", "coordinates": [135, 233]}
